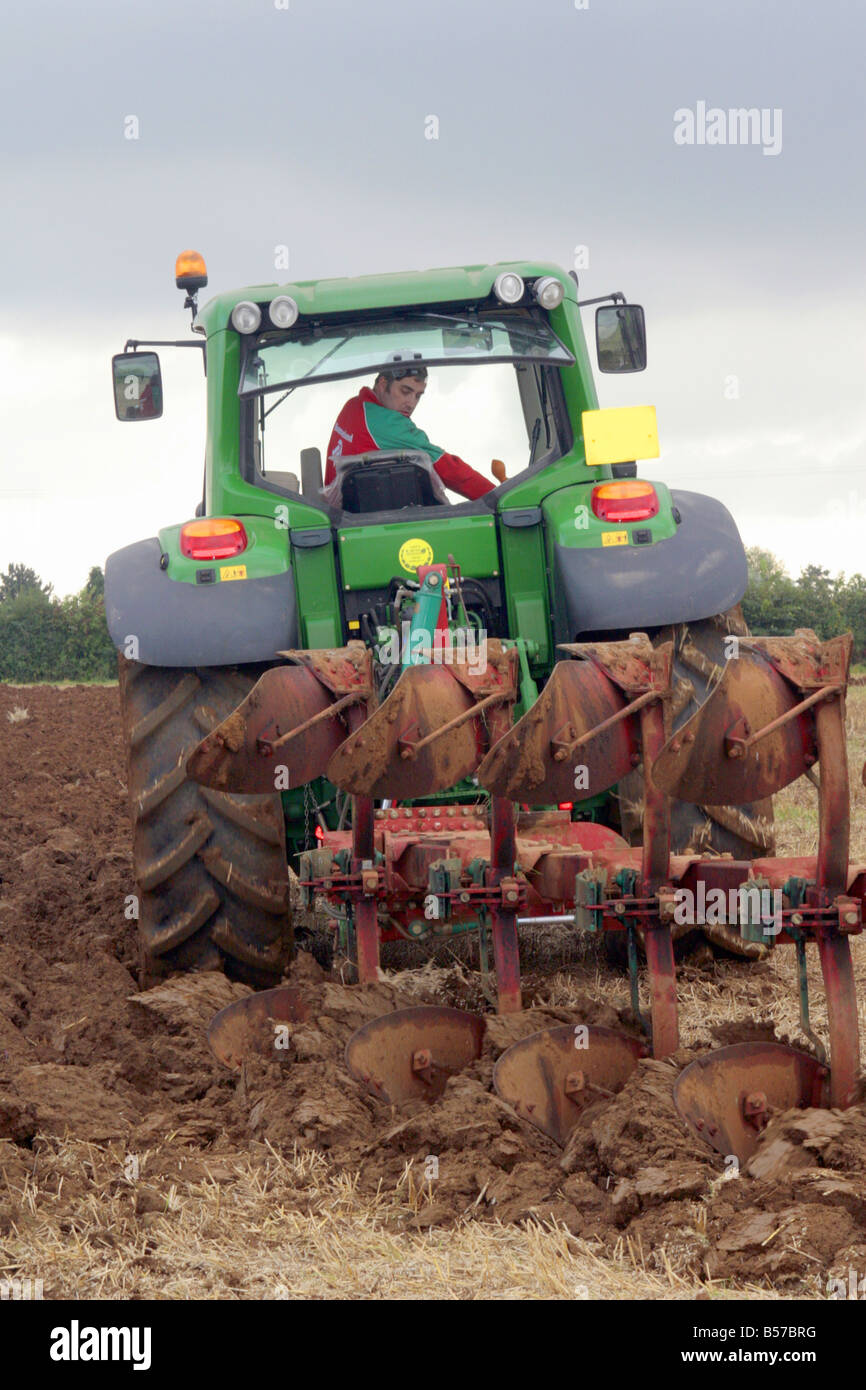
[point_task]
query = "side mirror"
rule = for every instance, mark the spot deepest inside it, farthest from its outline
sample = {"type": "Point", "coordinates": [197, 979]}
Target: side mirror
{"type": "Point", "coordinates": [137, 386]}
{"type": "Point", "coordinates": [620, 338]}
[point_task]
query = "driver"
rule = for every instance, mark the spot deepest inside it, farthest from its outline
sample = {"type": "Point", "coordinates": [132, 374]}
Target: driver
{"type": "Point", "coordinates": [380, 419]}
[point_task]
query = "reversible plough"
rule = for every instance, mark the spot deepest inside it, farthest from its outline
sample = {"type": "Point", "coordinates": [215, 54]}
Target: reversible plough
{"type": "Point", "coordinates": [508, 856]}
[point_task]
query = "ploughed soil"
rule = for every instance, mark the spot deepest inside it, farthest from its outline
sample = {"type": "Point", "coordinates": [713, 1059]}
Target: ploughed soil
{"type": "Point", "coordinates": [85, 1055]}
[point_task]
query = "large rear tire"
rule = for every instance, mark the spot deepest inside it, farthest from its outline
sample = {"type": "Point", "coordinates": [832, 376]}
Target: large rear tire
{"type": "Point", "coordinates": [746, 831]}
{"type": "Point", "coordinates": [211, 872]}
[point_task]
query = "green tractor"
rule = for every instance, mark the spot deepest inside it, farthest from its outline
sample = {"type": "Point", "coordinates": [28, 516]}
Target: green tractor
{"type": "Point", "coordinates": [323, 654]}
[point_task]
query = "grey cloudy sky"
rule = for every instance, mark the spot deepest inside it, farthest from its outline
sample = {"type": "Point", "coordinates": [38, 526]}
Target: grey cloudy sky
{"type": "Point", "coordinates": [305, 126]}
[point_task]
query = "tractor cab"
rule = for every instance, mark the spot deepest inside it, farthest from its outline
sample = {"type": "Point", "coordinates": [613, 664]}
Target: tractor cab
{"type": "Point", "coordinates": [487, 370]}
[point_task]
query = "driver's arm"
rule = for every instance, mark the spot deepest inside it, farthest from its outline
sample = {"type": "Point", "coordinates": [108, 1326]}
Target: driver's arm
{"type": "Point", "coordinates": [391, 430]}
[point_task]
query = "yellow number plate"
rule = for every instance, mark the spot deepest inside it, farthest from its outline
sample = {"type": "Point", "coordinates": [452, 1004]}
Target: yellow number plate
{"type": "Point", "coordinates": [233, 572]}
{"type": "Point", "coordinates": [620, 435]}
{"type": "Point", "coordinates": [614, 537]}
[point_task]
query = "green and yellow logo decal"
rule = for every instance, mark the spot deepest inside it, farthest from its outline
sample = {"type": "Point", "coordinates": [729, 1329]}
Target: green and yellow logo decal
{"type": "Point", "coordinates": [415, 552]}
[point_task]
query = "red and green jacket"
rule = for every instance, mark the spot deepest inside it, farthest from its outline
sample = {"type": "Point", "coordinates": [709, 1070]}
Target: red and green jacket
{"type": "Point", "coordinates": [364, 424]}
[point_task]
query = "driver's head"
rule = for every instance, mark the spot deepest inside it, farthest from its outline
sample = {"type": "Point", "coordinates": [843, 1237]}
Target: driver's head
{"type": "Point", "coordinates": [401, 387]}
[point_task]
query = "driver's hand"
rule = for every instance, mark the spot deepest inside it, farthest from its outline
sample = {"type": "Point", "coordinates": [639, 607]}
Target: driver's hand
{"type": "Point", "coordinates": [497, 468]}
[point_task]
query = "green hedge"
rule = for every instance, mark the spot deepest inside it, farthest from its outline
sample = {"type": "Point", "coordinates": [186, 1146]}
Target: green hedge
{"type": "Point", "coordinates": [775, 604]}
{"type": "Point", "coordinates": [47, 639]}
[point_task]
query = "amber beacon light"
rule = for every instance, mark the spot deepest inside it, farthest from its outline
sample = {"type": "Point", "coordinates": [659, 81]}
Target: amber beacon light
{"type": "Point", "coordinates": [190, 271]}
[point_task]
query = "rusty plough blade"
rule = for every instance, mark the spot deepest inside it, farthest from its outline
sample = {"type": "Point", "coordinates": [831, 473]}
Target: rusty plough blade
{"type": "Point", "coordinates": [551, 1077]}
{"type": "Point", "coordinates": [249, 1027]}
{"type": "Point", "coordinates": [756, 732]}
{"type": "Point", "coordinates": [728, 1097]}
{"type": "Point", "coordinates": [425, 698]}
{"type": "Point", "coordinates": [293, 720]}
{"type": "Point", "coordinates": [430, 732]}
{"type": "Point", "coordinates": [580, 718]}
{"type": "Point", "coordinates": [410, 1054]}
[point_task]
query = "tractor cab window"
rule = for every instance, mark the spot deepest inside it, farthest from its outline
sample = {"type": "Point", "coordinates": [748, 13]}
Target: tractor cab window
{"type": "Point", "coordinates": [315, 352]}
{"type": "Point", "coordinates": [296, 383]}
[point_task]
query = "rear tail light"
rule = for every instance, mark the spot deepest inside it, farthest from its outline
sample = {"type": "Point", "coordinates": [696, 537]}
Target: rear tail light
{"type": "Point", "coordinates": [566, 805]}
{"type": "Point", "coordinates": [212, 538]}
{"type": "Point", "coordinates": [627, 500]}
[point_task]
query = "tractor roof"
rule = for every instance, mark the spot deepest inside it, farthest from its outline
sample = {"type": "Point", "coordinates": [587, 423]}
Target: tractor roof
{"type": "Point", "coordinates": [395, 290]}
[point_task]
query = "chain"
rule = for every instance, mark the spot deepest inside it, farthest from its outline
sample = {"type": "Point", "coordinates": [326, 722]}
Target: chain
{"type": "Point", "coordinates": [309, 805]}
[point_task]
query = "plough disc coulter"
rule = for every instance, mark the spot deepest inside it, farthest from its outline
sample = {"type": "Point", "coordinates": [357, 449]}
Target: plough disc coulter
{"type": "Point", "coordinates": [551, 1077]}
{"type": "Point", "coordinates": [411, 1053]}
{"type": "Point", "coordinates": [728, 1097]}
{"type": "Point", "coordinates": [250, 1027]}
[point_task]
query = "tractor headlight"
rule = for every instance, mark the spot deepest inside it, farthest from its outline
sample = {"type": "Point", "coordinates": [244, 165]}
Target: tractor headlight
{"type": "Point", "coordinates": [549, 291]}
{"type": "Point", "coordinates": [246, 316]}
{"type": "Point", "coordinates": [508, 287]}
{"type": "Point", "coordinates": [283, 311]}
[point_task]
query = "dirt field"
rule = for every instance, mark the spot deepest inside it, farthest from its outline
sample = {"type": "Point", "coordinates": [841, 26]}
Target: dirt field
{"type": "Point", "coordinates": [132, 1164]}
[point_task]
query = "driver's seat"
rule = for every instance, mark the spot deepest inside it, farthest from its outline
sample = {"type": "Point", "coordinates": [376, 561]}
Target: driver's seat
{"type": "Point", "coordinates": [387, 487]}
{"type": "Point", "coordinates": [386, 480]}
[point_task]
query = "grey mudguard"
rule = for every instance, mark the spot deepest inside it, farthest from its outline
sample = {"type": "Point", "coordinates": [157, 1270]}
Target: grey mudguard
{"type": "Point", "coordinates": [698, 571]}
{"type": "Point", "coordinates": [195, 624]}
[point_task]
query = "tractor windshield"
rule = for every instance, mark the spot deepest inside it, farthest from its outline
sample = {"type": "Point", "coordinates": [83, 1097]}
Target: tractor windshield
{"type": "Point", "coordinates": [311, 353]}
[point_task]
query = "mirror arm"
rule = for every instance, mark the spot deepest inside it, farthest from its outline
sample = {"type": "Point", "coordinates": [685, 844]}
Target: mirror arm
{"type": "Point", "coordinates": [616, 295]}
{"type": "Point", "coordinates": [136, 343]}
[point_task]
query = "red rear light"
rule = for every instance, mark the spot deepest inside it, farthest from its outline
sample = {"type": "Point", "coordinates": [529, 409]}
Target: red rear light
{"type": "Point", "coordinates": [627, 500]}
{"type": "Point", "coordinates": [212, 538]}
{"type": "Point", "coordinates": [320, 834]}
{"type": "Point", "coordinates": [566, 805]}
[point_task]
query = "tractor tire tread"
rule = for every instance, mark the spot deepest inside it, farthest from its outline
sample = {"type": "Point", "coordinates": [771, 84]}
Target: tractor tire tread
{"type": "Point", "coordinates": [744, 831]}
{"type": "Point", "coordinates": [211, 869]}
{"type": "Point", "coordinates": [161, 713]}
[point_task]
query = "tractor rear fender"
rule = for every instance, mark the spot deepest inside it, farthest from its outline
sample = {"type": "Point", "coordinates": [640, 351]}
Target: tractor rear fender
{"type": "Point", "coordinates": [697, 571]}
{"type": "Point", "coordinates": [176, 623]}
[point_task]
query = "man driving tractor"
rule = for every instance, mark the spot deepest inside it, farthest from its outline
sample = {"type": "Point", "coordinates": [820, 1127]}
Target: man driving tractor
{"type": "Point", "coordinates": [380, 419]}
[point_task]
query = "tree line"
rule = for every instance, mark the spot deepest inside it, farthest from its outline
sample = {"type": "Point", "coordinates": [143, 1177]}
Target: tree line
{"type": "Point", "coordinates": [46, 638]}
{"type": "Point", "coordinates": [775, 604]}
